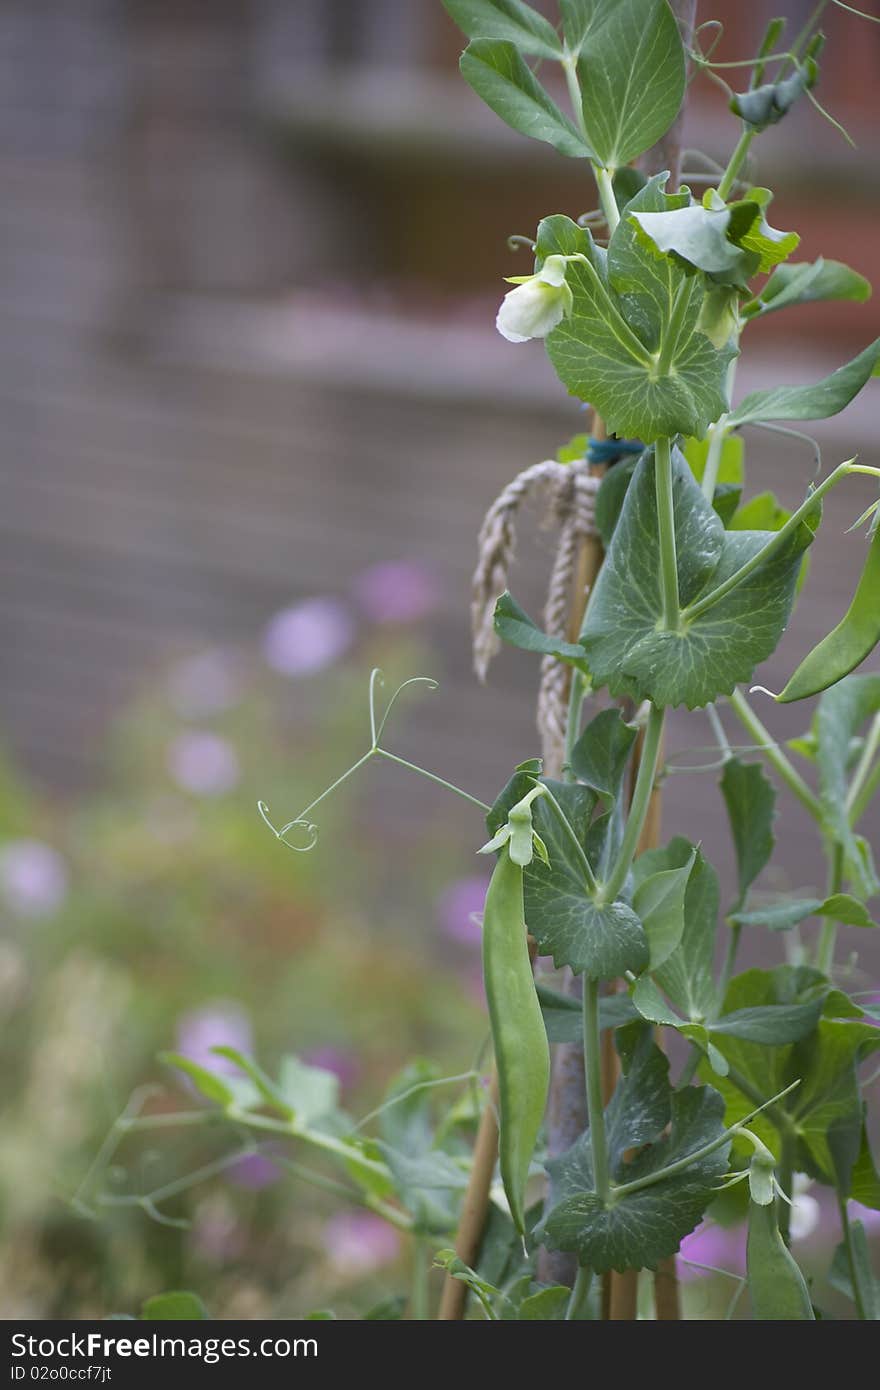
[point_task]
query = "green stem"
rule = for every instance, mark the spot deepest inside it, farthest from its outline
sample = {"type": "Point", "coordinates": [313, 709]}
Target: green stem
{"type": "Point", "coordinates": [729, 958]}
{"type": "Point", "coordinates": [595, 1101]}
{"type": "Point", "coordinates": [577, 1304]}
{"type": "Point", "coordinates": [735, 163]}
{"type": "Point", "coordinates": [774, 754]}
{"type": "Point", "coordinates": [432, 777]}
{"type": "Point", "coordinates": [786, 1176]}
{"type": "Point", "coordinates": [666, 533]}
{"type": "Point", "coordinates": [719, 432]}
{"type": "Point", "coordinates": [638, 810]}
{"type": "Point", "coordinates": [828, 934]}
{"type": "Point", "coordinates": [569, 832]}
{"type": "Point", "coordinates": [419, 1293]}
{"type": "Point", "coordinates": [573, 723]}
{"type": "Point", "coordinates": [605, 185]}
{"type": "Point", "coordinates": [862, 801]}
{"type": "Point", "coordinates": [863, 770]}
{"type": "Point", "coordinates": [779, 539]}
{"type": "Point", "coordinates": [851, 1259]}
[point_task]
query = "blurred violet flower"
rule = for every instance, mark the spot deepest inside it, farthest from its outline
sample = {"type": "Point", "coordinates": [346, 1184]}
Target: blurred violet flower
{"type": "Point", "coordinates": [343, 1063]}
{"type": "Point", "coordinates": [205, 684]}
{"type": "Point", "coordinates": [304, 639]}
{"type": "Point", "coordinates": [460, 909]}
{"type": "Point", "coordinates": [357, 1242]}
{"type": "Point", "coordinates": [33, 878]}
{"type": "Point", "coordinates": [222, 1023]}
{"type": "Point", "coordinates": [254, 1171]}
{"type": "Point", "coordinates": [398, 591]}
{"type": "Point", "coordinates": [203, 763]}
{"type": "Point", "coordinates": [869, 1218]}
{"type": "Point", "coordinates": [722, 1247]}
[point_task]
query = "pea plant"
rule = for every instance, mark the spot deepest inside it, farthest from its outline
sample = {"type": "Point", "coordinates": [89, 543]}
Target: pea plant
{"type": "Point", "coordinates": [688, 585]}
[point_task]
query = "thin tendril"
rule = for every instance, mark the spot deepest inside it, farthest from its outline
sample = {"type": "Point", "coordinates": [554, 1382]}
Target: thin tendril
{"type": "Point", "coordinates": [830, 119]}
{"type": "Point", "coordinates": [795, 434]}
{"type": "Point", "coordinates": [413, 680]}
{"type": "Point", "coordinates": [860, 13]}
{"type": "Point", "coordinates": [414, 1090]}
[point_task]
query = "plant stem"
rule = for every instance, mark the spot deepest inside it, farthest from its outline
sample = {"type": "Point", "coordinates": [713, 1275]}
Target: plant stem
{"type": "Point", "coordinates": [779, 539]}
{"type": "Point", "coordinates": [641, 801]}
{"type": "Point", "coordinates": [666, 531]}
{"type": "Point", "coordinates": [719, 432]}
{"type": "Point", "coordinates": [774, 754]}
{"type": "Point", "coordinates": [577, 1304]}
{"type": "Point", "coordinates": [573, 723]}
{"type": "Point", "coordinates": [729, 958]}
{"type": "Point", "coordinates": [605, 185]}
{"type": "Point", "coordinates": [786, 1175]}
{"type": "Point", "coordinates": [850, 1258]}
{"type": "Point", "coordinates": [862, 801]}
{"type": "Point", "coordinates": [828, 934]}
{"type": "Point", "coordinates": [419, 1292]}
{"type": "Point", "coordinates": [735, 163]}
{"type": "Point", "coordinates": [595, 1105]}
{"type": "Point", "coordinates": [863, 770]}
{"type": "Point", "coordinates": [432, 777]}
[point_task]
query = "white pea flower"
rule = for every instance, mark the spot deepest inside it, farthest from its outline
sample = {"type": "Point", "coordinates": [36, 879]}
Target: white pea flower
{"type": "Point", "coordinates": [538, 303]}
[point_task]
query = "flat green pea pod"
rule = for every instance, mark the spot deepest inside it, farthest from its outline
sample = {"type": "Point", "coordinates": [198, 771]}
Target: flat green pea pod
{"type": "Point", "coordinates": [854, 638]}
{"type": "Point", "coordinates": [776, 1285]}
{"type": "Point", "coordinates": [522, 1055]}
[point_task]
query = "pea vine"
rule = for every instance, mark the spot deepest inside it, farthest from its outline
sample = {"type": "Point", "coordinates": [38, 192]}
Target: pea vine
{"type": "Point", "coordinates": [697, 585]}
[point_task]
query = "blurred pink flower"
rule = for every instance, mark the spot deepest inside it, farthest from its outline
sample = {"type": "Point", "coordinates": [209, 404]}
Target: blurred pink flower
{"type": "Point", "coordinates": [205, 684]}
{"type": "Point", "coordinates": [398, 591]}
{"type": "Point", "coordinates": [357, 1242]}
{"type": "Point", "coordinates": [460, 909]}
{"type": "Point", "coordinates": [254, 1172]}
{"type": "Point", "coordinates": [722, 1247]}
{"type": "Point", "coordinates": [33, 878]}
{"type": "Point", "coordinates": [203, 763]}
{"type": "Point", "coordinates": [343, 1063]}
{"type": "Point", "coordinates": [222, 1023]}
{"type": "Point", "coordinates": [304, 639]}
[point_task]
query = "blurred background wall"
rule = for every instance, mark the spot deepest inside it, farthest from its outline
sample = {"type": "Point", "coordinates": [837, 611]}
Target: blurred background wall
{"type": "Point", "coordinates": [252, 409]}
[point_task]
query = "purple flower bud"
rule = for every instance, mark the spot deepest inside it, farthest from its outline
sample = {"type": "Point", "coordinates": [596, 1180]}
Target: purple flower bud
{"type": "Point", "coordinates": [222, 1023]}
{"type": "Point", "coordinates": [460, 909]}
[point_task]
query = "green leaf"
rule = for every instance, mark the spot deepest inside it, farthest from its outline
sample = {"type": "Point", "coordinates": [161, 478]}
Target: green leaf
{"type": "Point", "coordinates": [782, 916]}
{"type": "Point", "coordinates": [311, 1092]}
{"type": "Point", "coordinates": [698, 236]}
{"type": "Point", "coordinates": [731, 468]}
{"type": "Point", "coordinates": [687, 975]}
{"type": "Point", "coordinates": [755, 235]}
{"type": "Point", "coordinates": [817, 402]}
{"type": "Point", "coordinates": [840, 1275]}
{"type": "Point", "coordinates": [548, 1305]}
{"type": "Point", "coordinates": [604, 942]}
{"type": "Point", "coordinates": [178, 1306]}
{"type": "Point", "coordinates": [804, 282]}
{"type": "Point", "coordinates": [514, 625]}
{"type": "Point", "coordinates": [766, 105]}
{"type": "Point", "coordinates": [607, 350]}
{"type": "Point", "coordinates": [405, 1119]}
{"type": "Point", "coordinates": [510, 20]}
{"type": "Point", "coordinates": [631, 71]}
{"type": "Point", "coordinates": [609, 499]}
{"type": "Point", "coordinates": [487, 1293]}
{"type": "Point", "coordinates": [639, 1229]}
{"type": "Point", "coordinates": [825, 1110]}
{"type": "Point", "coordinates": [579, 17]}
{"type": "Point", "coordinates": [865, 1178]}
{"type": "Point", "coordinates": [558, 235]}
{"type": "Point", "coordinates": [658, 902]}
{"type": "Point", "coordinates": [499, 76]}
{"type": "Point", "coordinates": [563, 1017]}
{"type": "Point", "coordinates": [390, 1309]}
{"type": "Point", "coordinates": [750, 799]}
{"type": "Point", "coordinates": [628, 650]}
{"type": "Point", "coordinates": [772, 1026]}
{"type": "Point", "coordinates": [266, 1088]}
{"type": "Point", "coordinates": [763, 512]}
{"type": "Point", "coordinates": [213, 1087]}
{"type": "Point", "coordinates": [841, 712]}
{"type": "Point", "coordinates": [429, 1185]}
{"type": "Point", "coordinates": [601, 755]}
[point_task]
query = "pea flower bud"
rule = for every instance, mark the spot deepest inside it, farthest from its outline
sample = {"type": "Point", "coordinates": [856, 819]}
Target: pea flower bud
{"type": "Point", "coordinates": [538, 303]}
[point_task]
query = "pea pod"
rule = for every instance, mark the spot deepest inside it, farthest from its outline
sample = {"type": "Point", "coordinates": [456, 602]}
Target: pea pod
{"type": "Point", "coordinates": [522, 1055]}
{"type": "Point", "coordinates": [776, 1285]}
{"type": "Point", "coordinates": [854, 638]}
